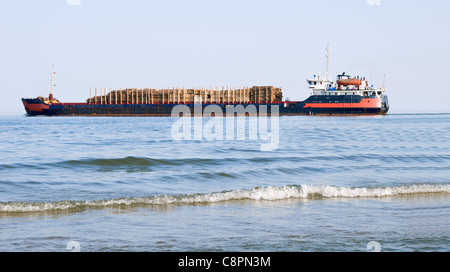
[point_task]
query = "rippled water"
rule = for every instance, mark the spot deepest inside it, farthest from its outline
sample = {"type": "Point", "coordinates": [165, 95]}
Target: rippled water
{"type": "Point", "coordinates": [124, 184]}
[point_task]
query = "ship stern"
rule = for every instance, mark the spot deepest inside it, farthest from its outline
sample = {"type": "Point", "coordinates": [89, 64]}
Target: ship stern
{"type": "Point", "coordinates": [385, 104]}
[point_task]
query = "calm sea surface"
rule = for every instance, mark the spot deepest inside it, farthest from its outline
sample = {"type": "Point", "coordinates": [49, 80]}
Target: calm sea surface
{"type": "Point", "coordinates": [124, 184]}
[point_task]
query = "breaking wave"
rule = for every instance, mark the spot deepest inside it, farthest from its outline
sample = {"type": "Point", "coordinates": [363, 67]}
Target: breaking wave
{"type": "Point", "coordinates": [270, 193]}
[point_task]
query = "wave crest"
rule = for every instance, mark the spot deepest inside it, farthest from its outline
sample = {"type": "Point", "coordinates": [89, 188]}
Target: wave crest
{"type": "Point", "coordinates": [270, 193]}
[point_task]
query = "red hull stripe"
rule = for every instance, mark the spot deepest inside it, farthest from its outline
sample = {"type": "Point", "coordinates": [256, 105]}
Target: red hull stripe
{"type": "Point", "coordinates": [365, 103]}
{"type": "Point", "coordinates": [35, 107]}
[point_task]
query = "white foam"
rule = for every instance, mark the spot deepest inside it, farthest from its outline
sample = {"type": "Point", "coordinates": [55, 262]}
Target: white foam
{"type": "Point", "coordinates": [348, 192]}
{"type": "Point", "coordinates": [270, 193]}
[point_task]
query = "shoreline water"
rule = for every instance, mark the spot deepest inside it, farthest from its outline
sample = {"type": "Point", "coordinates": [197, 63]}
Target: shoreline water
{"type": "Point", "coordinates": [123, 184]}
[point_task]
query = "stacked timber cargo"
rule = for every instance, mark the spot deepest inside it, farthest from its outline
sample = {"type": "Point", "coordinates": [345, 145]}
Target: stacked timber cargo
{"type": "Point", "coordinates": [255, 94]}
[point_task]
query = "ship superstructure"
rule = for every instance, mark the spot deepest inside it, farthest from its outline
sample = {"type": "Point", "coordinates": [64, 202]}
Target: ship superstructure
{"type": "Point", "coordinates": [348, 95]}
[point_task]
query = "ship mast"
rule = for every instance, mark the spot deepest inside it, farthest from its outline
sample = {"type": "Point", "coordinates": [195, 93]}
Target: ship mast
{"type": "Point", "coordinates": [328, 60]}
{"type": "Point", "coordinates": [50, 97]}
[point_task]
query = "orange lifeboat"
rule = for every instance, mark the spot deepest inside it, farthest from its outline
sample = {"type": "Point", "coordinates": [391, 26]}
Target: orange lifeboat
{"type": "Point", "coordinates": [350, 81]}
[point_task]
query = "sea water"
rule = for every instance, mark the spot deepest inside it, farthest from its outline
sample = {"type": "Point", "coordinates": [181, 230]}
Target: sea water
{"type": "Point", "coordinates": [358, 183]}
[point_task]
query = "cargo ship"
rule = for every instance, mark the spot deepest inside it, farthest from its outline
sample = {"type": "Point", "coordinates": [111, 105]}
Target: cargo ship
{"type": "Point", "coordinates": [347, 96]}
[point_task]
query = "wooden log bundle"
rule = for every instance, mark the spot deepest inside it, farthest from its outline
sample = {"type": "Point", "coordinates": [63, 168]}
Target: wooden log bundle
{"type": "Point", "coordinates": [225, 95]}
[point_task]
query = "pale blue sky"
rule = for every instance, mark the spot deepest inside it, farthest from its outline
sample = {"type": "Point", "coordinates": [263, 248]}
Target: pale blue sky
{"type": "Point", "coordinates": [112, 43]}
